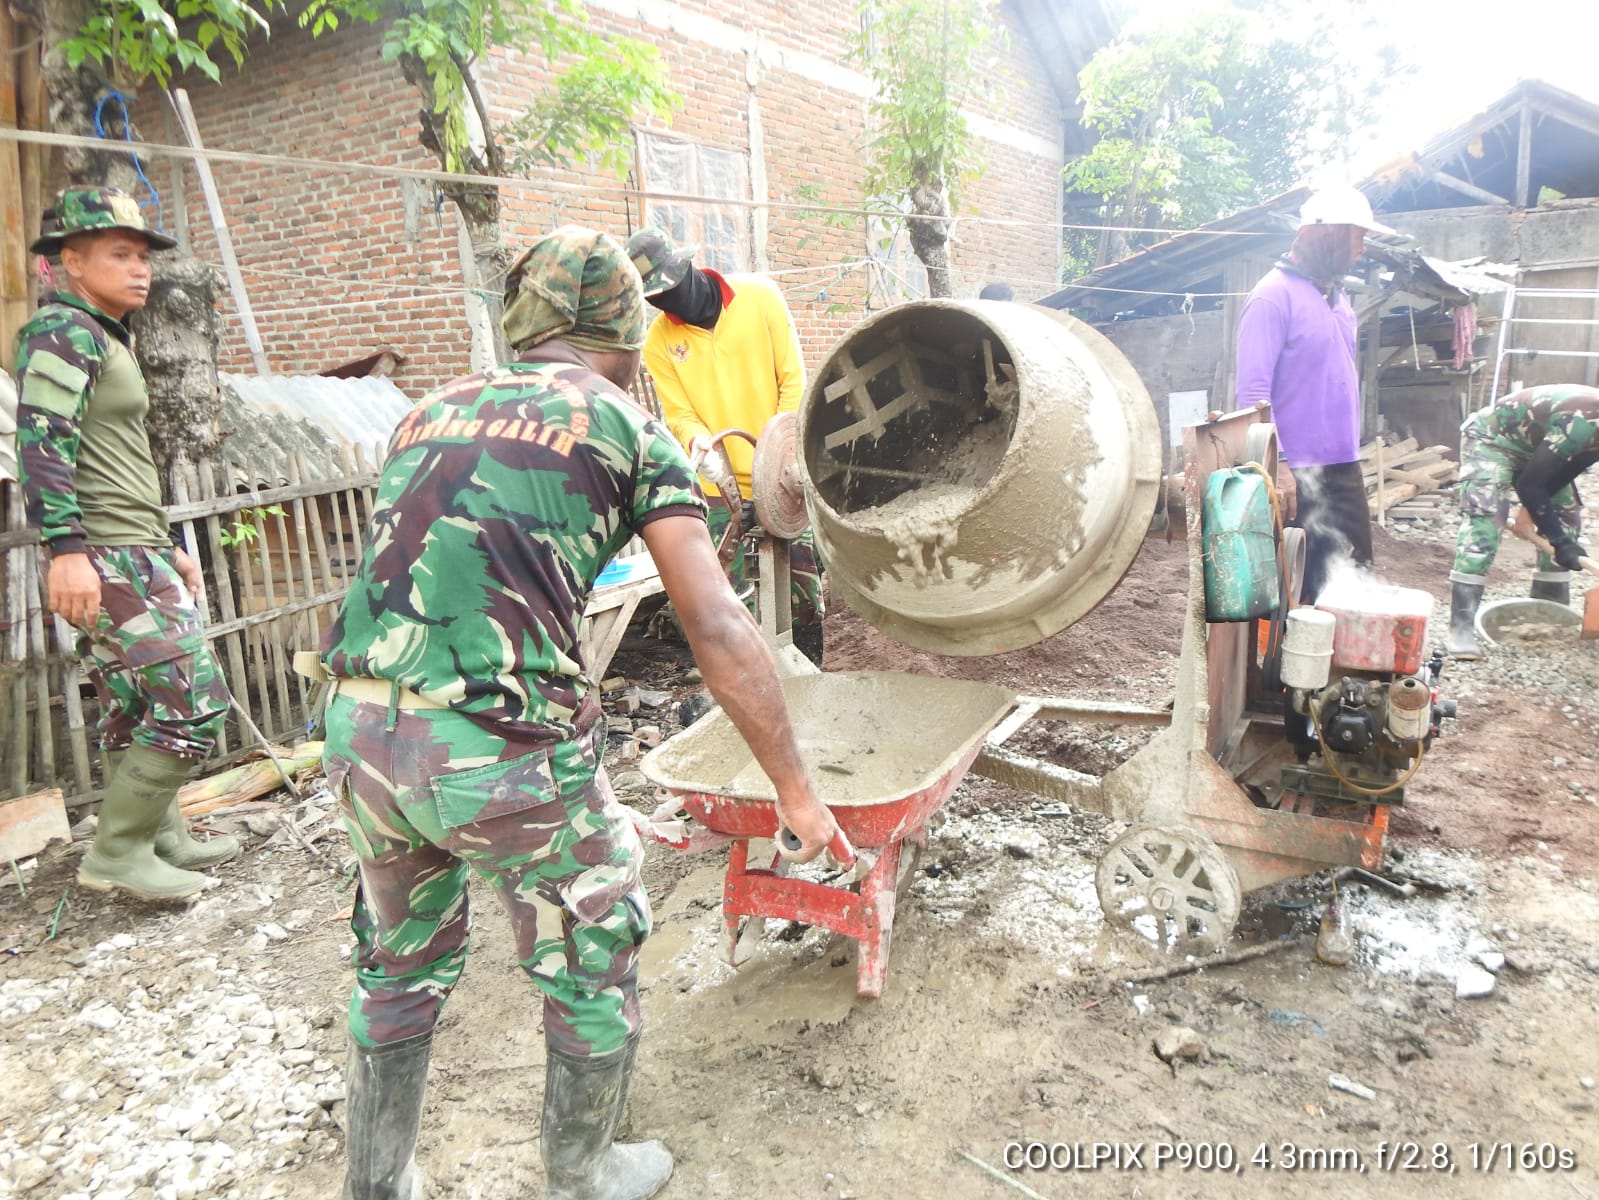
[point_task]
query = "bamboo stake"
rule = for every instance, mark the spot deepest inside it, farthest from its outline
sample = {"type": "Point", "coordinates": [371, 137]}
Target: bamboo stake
{"type": "Point", "coordinates": [301, 532]}
{"type": "Point", "coordinates": [228, 646]}
{"type": "Point", "coordinates": [219, 222]}
{"type": "Point", "coordinates": [44, 739]}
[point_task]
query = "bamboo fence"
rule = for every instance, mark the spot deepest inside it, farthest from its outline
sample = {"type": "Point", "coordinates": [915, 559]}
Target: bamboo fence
{"type": "Point", "coordinates": [277, 562]}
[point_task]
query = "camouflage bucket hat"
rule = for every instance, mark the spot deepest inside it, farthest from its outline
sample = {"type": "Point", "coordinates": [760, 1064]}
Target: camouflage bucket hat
{"type": "Point", "coordinates": [87, 210]}
{"type": "Point", "coordinates": [576, 284]}
{"type": "Point", "coordinates": [661, 262]}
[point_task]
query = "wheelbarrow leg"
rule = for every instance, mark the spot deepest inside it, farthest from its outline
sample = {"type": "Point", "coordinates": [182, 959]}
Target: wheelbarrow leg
{"type": "Point", "coordinates": [877, 920]}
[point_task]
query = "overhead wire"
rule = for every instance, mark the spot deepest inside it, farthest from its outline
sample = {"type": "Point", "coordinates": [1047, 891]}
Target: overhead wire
{"type": "Point", "coordinates": [588, 189]}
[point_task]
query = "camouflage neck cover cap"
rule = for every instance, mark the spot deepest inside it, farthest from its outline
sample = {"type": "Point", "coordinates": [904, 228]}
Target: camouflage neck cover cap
{"type": "Point", "coordinates": [578, 285]}
{"type": "Point", "coordinates": [90, 210]}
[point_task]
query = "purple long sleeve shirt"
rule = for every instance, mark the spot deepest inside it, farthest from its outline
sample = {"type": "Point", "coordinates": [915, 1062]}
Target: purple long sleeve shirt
{"type": "Point", "coordinates": [1298, 352]}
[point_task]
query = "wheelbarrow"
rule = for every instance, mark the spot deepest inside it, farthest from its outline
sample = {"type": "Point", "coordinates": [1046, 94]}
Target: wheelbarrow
{"type": "Point", "coordinates": [883, 749]}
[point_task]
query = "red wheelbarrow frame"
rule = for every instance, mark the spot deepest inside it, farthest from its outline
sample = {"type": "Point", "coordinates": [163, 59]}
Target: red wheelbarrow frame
{"type": "Point", "coordinates": [867, 917]}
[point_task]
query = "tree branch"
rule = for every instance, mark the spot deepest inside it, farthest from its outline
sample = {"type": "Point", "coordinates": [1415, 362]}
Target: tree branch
{"type": "Point", "coordinates": [493, 158]}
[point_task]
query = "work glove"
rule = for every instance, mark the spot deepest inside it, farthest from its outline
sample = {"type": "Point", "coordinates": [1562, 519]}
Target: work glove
{"type": "Point", "coordinates": [1569, 555]}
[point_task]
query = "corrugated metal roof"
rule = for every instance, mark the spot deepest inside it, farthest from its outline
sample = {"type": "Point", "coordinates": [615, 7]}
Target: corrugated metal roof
{"type": "Point", "coordinates": [1193, 261]}
{"type": "Point", "coordinates": [268, 419]}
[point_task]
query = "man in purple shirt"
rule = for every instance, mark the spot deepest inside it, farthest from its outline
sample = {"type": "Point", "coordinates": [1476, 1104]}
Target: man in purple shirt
{"type": "Point", "coordinates": [1296, 351]}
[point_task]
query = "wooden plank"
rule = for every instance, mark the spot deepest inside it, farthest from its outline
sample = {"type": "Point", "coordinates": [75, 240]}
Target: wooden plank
{"type": "Point", "coordinates": [1391, 497]}
{"type": "Point", "coordinates": [30, 823]}
{"type": "Point", "coordinates": [1368, 452]}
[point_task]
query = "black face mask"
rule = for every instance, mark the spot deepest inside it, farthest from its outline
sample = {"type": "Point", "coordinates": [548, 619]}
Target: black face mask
{"type": "Point", "coordinates": [695, 301]}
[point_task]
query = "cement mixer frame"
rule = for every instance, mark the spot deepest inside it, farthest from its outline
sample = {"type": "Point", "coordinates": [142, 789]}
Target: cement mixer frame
{"type": "Point", "coordinates": [1198, 838]}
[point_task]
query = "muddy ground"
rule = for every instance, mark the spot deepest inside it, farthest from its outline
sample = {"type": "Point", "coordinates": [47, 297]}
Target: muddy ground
{"type": "Point", "coordinates": [157, 1054]}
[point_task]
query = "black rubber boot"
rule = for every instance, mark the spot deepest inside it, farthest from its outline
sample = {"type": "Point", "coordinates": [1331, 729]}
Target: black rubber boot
{"type": "Point", "coordinates": [383, 1089]}
{"type": "Point", "coordinates": [1558, 590]}
{"type": "Point", "coordinates": [583, 1101]}
{"type": "Point", "coordinates": [1464, 598]}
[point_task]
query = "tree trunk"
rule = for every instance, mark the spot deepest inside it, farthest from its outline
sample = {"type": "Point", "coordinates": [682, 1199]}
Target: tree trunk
{"type": "Point", "coordinates": [177, 346]}
{"type": "Point", "coordinates": [480, 214]}
{"type": "Point", "coordinates": [177, 338]}
{"type": "Point", "coordinates": [930, 238]}
{"type": "Point", "coordinates": [478, 204]}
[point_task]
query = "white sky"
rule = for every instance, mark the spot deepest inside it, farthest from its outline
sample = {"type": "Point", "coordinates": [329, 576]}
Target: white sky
{"type": "Point", "coordinates": [1468, 53]}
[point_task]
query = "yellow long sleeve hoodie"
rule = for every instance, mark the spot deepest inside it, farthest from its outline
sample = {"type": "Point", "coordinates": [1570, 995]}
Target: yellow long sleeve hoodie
{"type": "Point", "coordinates": [736, 375]}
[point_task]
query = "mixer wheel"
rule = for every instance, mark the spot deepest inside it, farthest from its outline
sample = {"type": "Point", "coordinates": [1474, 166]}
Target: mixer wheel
{"type": "Point", "coordinates": [1171, 885]}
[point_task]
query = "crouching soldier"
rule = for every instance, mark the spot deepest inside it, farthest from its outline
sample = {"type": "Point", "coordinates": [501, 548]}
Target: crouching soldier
{"type": "Point", "coordinates": [1537, 441]}
{"type": "Point", "coordinates": [92, 491]}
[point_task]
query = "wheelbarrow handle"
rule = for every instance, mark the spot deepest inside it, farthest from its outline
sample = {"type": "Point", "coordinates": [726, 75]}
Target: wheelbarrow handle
{"type": "Point", "coordinates": [789, 847]}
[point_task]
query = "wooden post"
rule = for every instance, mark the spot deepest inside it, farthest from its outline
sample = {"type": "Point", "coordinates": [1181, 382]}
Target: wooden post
{"type": "Point", "coordinates": [1382, 509]}
{"type": "Point", "coordinates": [13, 235]}
{"type": "Point", "coordinates": [31, 115]}
{"type": "Point", "coordinates": [1524, 158]}
{"type": "Point", "coordinates": [219, 221]}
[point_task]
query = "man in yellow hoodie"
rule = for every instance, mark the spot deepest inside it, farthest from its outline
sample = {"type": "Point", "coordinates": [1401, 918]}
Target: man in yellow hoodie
{"type": "Point", "coordinates": [724, 355]}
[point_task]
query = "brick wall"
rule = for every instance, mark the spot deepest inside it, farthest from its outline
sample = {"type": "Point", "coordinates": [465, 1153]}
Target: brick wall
{"type": "Point", "coordinates": [340, 265]}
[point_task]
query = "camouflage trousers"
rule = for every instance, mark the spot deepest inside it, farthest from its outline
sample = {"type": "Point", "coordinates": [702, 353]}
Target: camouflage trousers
{"type": "Point", "coordinates": [804, 571]}
{"type": "Point", "coordinates": [157, 680]}
{"type": "Point", "coordinates": [1488, 470]}
{"type": "Point", "coordinates": [430, 796]}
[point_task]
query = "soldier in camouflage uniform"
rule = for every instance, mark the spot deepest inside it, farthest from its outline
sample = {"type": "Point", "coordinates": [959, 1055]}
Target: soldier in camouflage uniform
{"type": "Point", "coordinates": [93, 493]}
{"type": "Point", "coordinates": [464, 735]}
{"type": "Point", "coordinates": [724, 354]}
{"type": "Point", "coordinates": [1537, 441]}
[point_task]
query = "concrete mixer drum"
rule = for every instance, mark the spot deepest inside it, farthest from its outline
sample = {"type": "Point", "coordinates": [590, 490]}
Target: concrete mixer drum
{"type": "Point", "coordinates": [979, 475]}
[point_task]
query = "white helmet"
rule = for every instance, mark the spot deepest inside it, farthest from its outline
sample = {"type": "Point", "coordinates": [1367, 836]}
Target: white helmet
{"type": "Point", "coordinates": [1340, 206]}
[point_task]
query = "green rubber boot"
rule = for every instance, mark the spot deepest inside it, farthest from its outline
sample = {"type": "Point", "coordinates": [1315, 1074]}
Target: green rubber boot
{"type": "Point", "coordinates": [143, 784]}
{"type": "Point", "coordinates": [175, 846]}
{"type": "Point", "coordinates": [173, 843]}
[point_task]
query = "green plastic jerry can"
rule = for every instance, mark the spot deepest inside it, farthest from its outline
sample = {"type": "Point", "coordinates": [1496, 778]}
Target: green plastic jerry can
{"type": "Point", "coordinates": [1242, 579]}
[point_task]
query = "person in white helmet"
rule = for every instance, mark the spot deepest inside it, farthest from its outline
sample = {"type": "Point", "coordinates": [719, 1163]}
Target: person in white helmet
{"type": "Point", "coordinates": [1296, 350]}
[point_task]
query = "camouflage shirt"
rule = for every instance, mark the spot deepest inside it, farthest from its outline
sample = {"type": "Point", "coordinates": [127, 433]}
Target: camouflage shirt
{"type": "Point", "coordinates": [503, 496]}
{"type": "Point", "coordinates": [1562, 416]}
{"type": "Point", "coordinates": [84, 454]}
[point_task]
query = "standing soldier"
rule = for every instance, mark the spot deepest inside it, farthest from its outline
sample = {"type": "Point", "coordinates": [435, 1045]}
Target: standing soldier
{"type": "Point", "coordinates": [725, 355]}
{"type": "Point", "coordinates": [1537, 440]}
{"type": "Point", "coordinates": [464, 736]}
{"type": "Point", "coordinates": [93, 493]}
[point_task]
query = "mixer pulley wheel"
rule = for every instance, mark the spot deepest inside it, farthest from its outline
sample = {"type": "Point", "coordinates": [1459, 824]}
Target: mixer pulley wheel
{"type": "Point", "coordinates": [1171, 885]}
{"type": "Point", "coordinates": [775, 479]}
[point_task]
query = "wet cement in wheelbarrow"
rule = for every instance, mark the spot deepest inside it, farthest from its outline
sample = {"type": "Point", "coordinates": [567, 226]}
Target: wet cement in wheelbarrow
{"type": "Point", "coordinates": [867, 737]}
